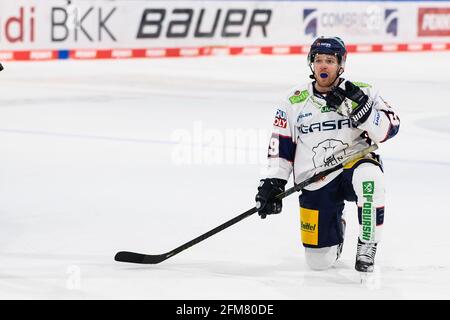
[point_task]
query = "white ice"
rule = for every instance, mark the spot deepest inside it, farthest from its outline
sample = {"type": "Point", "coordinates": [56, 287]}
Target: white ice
{"type": "Point", "coordinates": [90, 165]}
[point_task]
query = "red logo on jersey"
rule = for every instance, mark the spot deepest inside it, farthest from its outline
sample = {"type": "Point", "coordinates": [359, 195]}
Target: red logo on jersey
{"type": "Point", "coordinates": [282, 123]}
{"type": "Point", "coordinates": [280, 119]}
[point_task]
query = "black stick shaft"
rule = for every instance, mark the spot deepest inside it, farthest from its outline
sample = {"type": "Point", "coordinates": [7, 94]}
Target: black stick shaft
{"type": "Point", "coordinates": [212, 232]}
{"type": "Point", "coordinates": [125, 256]}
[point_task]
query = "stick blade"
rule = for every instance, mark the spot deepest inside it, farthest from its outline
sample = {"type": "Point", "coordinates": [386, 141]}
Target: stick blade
{"type": "Point", "coordinates": [133, 257]}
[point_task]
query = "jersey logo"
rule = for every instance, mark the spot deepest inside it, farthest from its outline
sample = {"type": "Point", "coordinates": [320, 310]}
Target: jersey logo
{"type": "Point", "coordinates": [303, 115]}
{"type": "Point", "coordinates": [325, 109]}
{"type": "Point", "coordinates": [376, 119]}
{"type": "Point", "coordinates": [329, 153]}
{"type": "Point", "coordinates": [325, 126]}
{"type": "Point", "coordinates": [280, 119]}
{"type": "Point", "coordinates": [299, 97]}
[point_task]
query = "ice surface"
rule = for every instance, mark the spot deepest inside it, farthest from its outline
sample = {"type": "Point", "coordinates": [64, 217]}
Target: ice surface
{"type": "Point", "coordinates": [102, 156]}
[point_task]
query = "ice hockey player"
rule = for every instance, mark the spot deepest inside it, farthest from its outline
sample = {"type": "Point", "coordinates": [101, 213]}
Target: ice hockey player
{"type": "Point", "coordinates": [316, 127]}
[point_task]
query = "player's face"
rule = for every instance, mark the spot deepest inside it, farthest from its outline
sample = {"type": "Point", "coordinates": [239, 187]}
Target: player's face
{"type": "Point", "coordinates": [325, 69]}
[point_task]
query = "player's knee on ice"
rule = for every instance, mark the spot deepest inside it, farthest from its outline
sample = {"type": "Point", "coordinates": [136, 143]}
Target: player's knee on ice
{"type": "Point", "coordinates": [321, 258]}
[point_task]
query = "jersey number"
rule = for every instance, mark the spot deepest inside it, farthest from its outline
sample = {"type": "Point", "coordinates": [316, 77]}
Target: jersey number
{"type": "Point", "coordinates": [274, 146]}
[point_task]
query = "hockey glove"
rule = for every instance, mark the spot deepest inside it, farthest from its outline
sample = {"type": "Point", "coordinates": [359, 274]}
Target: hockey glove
{"type": "Point", "coordinates": [266, 203]}
{"type": "Point", "coordinates": [361, 105]}
{"type": "Point", "coordinates": [335, 98]}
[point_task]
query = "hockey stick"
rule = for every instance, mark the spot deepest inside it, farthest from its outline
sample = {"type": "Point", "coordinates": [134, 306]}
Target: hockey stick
{"type": "Point", "coordinates": [133, 257]}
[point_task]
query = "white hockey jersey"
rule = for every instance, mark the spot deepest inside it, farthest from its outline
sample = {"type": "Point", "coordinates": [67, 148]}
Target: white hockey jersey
{"type": "Point", "coordinates": [308, 137]}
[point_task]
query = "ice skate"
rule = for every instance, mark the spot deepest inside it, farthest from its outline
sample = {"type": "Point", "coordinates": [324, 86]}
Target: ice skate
{"type": "Point", "coordinates": [365, 256]}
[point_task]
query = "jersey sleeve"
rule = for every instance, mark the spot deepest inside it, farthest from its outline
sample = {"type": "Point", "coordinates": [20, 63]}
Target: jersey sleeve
{"type": "Point", "coordinates": [282, 147]}
{"type": "Point", "coordinates": [383, 123]}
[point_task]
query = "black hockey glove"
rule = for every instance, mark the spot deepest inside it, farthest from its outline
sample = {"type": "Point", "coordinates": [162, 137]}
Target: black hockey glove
{"type": "Point", "coordinates": [335, 98]}
{"type": "Point", "coordinates": [361, 104]}
{"type": "Point", "coordinates": [266, 203]}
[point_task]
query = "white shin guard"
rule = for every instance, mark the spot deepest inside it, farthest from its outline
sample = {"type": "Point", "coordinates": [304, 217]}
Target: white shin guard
{"type": "Point", "coordinates": [368, 183]}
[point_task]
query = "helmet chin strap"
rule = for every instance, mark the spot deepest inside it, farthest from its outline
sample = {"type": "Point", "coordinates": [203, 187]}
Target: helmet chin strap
{"type": "Point", "coordinates": [339, 73]}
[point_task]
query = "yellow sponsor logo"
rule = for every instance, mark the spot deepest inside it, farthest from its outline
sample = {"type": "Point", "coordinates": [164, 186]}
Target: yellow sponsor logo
{"type": "Point", "coordinates": [309, 223]}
